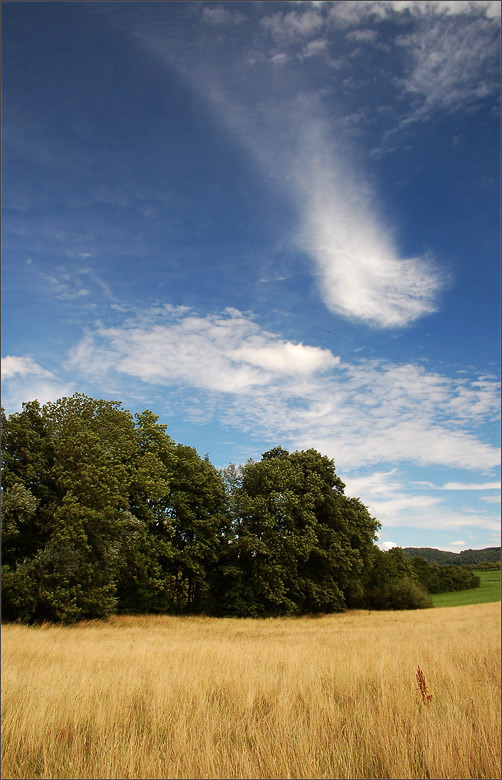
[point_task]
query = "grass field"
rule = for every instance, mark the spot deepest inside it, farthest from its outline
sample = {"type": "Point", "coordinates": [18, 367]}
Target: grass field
{"type": "Point", "coordinates": [489, 590]}
{"type": "Point", "coordinates": [328, 697]}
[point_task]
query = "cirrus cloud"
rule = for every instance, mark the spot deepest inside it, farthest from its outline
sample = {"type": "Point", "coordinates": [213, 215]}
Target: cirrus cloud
{"type": "Point", "coordinates": [363, 412]}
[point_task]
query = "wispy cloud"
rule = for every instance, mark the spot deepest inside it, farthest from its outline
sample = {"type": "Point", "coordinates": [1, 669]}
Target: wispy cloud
{"type": "Point", "coordinates": [67, 284]}
{"type": "Point", "coordinates": [361, 273]}
{"type": "Point", "coordinates": [488, 8]}
{"type": "Point", "coordinates": [471, 486]}
{"type": "Point", "coordinates": [225, 368]}
{"type": "Point", "coordinates": [288, 27]}
{"type": "Point", "coordinates": [64, 285]}
{"type": "Point", "coordinates": [362, 412]}
{"type": "Point", "coordinates": [25, 380]}
{"type": "Point", "coordinates": [454, 62]}
{"type": "Point", "coordinates": [397, 504]}
{"type": "Point", "coordinates": [218, 15]}
{"type": "Point", "coordinates": [448, 58]}
{"type": "Point", "coordinates": [283, 123]}
{"type": "Point", "coordinates": [227, 353]}
{"type": "Point", "coordinates": [20, 366]}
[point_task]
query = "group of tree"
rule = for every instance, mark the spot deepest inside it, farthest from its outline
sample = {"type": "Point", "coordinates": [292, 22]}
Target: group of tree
{"type": "Point", "coordinates": [488, 558]}
{"type": "Point", "coordinates": [103, 513]}
{"type": "Point", "coordinates": [444, 578]}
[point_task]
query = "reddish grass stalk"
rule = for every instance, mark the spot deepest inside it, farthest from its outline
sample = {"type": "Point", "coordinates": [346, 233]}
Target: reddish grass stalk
{"type": "Point", "coordinates": [422, 687]}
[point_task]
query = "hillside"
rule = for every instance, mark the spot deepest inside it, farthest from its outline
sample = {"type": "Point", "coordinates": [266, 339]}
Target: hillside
{"type": "Point", "coordinates": [464, 558]}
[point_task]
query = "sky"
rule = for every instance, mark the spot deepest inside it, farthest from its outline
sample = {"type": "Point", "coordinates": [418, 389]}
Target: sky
{"type": "Point", "coordinates": [272, 224]}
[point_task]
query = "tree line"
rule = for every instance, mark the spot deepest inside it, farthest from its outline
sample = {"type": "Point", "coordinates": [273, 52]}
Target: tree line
{"type": "Point", "coordinates": [104, 513]}
{"type": "Point", "coordinates": [487, 559]}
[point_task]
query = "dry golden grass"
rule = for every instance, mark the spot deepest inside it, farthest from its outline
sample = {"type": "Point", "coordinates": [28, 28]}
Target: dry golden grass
{"type": "Point", "coordinates": [335, 697]}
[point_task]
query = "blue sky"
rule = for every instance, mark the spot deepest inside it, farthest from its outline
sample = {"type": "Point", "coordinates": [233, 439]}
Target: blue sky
{"type": "Point", "coordinates": [272, 224]}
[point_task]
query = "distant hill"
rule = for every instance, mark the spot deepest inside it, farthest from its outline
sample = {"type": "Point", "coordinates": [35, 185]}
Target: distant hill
{"type": "Point", "coordinates": [464, 558]}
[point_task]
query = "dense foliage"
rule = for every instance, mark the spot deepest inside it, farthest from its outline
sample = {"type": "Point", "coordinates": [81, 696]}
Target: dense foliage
{"type": "Point", "coordinates": [478, 558]}
{"type": "Point", "coordinates": [103, 513]}
{"type": "Point", "coordinates": [444, 579]}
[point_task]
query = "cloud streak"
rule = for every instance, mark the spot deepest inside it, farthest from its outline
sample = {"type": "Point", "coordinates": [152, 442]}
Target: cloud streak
{"type": "Point", "coordinates": [361, 275]}
{"type": "Point", "coordinates": [284, 124]}
{"type": "Point", "coordinates": [470, 486]}
{"type": "Point", "coordinates": [362, 413]}
{"type": "Point", "coordinates": [393, 501]}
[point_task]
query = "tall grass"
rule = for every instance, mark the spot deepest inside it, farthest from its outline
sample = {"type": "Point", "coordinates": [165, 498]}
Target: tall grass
{"type": "Point", "coordinates": [334, 697]}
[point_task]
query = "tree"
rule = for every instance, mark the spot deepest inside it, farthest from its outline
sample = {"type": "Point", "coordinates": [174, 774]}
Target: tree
{"type": "Point", "coordinates": [197, 515]}
{"type": "Point", "coordinates": [105, 513]}
{"type": "Point", "coordinates": [270, 530]}
{"type": "Point", "coordinates": [74, 456]}
{"type": "Point", "coordinates": [390, 582]}
{"type": "Point", "coordinates": [18, 506]}
{"type": "Point", "coordinates": [144, 580]}
{"type": "Point", "coordinates": [27, 461]}
{"type": "Point", "coordinates": [345, 532]}
{"type": "Point", "coordinates": [297, 544]}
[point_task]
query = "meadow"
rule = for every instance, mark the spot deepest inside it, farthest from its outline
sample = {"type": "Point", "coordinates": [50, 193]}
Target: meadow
{"type": "Point", "coordinates": [489, 590]}
{"type": "Point", "coordinates": [328, 697]}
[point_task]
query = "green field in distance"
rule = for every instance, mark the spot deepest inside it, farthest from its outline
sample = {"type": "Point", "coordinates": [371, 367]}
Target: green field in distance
{"type": "Point", "coordinates": [489, 590]}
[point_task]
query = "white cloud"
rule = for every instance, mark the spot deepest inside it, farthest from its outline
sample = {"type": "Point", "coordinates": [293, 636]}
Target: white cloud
{"type": "Point", "coordinates": [359, 270]}
{"type": "Point", "coordinates": [225, 368]}
{"type": "Point", "coordinates": [454, 60]}
{"type": "Point", "coordinates": [396, 504]}
{"type": "Point", "coordinates": [361, 275]}
{"type": "Point", "coordinates": [279, 59]}
{"type": "Point", "coordinates": [315, 48]}
{"type": "Point", "coordinates": [67, 283]}
{"type": "Point", "coordinates": [387, 546]}
{"type": "Point", "coordinates": [362, 412]}
{"type": "Point", "coordinates": [288, 27]}
{"type": "Point", "coordinates": [226, 353]}
{"type": "Point", "coordinates": [215, 15]}
{"type": "Point", "coordinates": [25, 380]}
{"type": "Point", "coordinates": [444, 7]}
{"type": "Point", "coordinates": [20, 366]}
{"type": "Point", "coordinates": [101, 284]}
{"type": "Point", "coordinates": [471, 486]}
{"type": "Point", "coordinates": [363, 36]}
{"type": "Point", "coordinates": [283, 122]}
{"type": "Point", "coordinates": [459, 543]}
{"type": "Point", "coordinates": [345, 14]}
{"type": "Point", "coordinates": [285, 358]}
{"type": "Point", "coordinates": [65, 286]}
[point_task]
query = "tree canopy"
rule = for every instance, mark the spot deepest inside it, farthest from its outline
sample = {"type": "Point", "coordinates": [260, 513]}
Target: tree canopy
{"type": "Point", "coordinates": [103, 512]}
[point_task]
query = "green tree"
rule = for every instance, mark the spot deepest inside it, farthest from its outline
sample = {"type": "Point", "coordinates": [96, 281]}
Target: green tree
{"type": "Point", "coordinates": [270, 530]}
{"type": "Point", "coordinates": [27, 461]}
{"type": "Point", "coordinates": [197, 516]}
{"type": "Point", "coordinates": [145, 582]}
{"type": "Point", "coordinates": [74, 456]}
{"type": "Point", "coordinates": [297, 543]}
{"type": "Point", "coordinates": [345, 532]}
{"type": "Point", "coordinates": [391, 582]}
{"type": "Point", "coordinates": [18, 506]}
{"type": "Point", "coordinates": [443, 578]}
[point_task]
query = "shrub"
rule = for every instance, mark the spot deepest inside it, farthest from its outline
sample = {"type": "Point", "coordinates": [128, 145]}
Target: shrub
{"type": "Point", "coordinates": [408, 594]}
